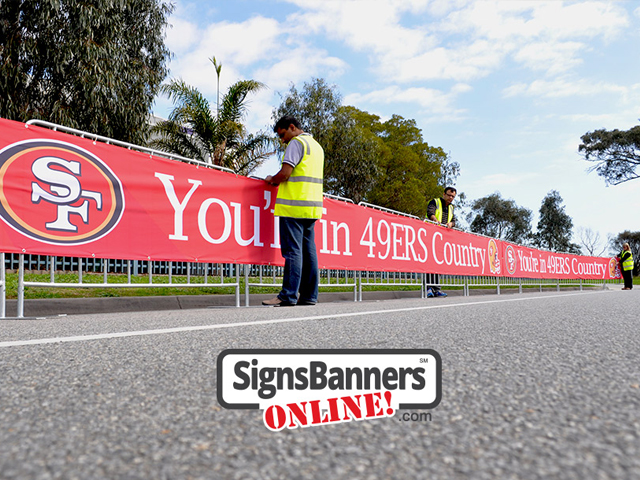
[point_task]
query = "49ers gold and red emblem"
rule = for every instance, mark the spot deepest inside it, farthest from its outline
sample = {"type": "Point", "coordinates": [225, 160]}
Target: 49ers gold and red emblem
{"type": "Point", "coordinates": [58, 193]}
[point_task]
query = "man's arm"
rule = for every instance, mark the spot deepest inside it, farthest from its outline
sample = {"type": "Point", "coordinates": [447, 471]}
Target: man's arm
{"type": "Point", "coordinates": [282, 176]}
{"type": "Point", "coordinates": [431, 211]}
{"type": "Point", "coordinates": [452, 223]}
{"type": "Point", "coordinates": [292, 156]}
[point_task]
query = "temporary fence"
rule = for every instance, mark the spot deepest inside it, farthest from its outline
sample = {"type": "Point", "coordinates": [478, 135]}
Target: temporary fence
{"type": "Point", "coordinates": [110, 274]}
{"type": "Point", "coordinates": [89, 198]}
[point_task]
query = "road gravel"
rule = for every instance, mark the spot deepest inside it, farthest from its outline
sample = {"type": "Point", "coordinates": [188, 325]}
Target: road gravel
{"type": "Point", "coordinates": [534, 386]}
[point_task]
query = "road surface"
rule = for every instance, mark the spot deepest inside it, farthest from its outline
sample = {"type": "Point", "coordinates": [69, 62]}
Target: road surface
{"type": "Point", "coordinates": [534, 386]}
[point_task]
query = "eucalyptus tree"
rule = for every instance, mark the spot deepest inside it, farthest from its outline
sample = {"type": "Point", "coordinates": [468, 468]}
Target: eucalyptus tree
{"type": "Point", "coordinates": [615, 153]}
{"type": "Point", "coordinates": [555, 226]}
{"type": "Point", "coordinates": [94, 66]}
{"type": "Point", "coordinates": [502, 218]}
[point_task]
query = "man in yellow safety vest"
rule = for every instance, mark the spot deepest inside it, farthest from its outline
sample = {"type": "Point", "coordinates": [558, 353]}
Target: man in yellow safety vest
{"type": "Point", "coordinates": [298, 206]}
{"type": "Point", "coordinates": [440, 210]}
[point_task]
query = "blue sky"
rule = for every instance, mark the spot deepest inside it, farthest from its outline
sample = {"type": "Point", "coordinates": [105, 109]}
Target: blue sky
{"type": "Point", "coordinates": [506, 87]}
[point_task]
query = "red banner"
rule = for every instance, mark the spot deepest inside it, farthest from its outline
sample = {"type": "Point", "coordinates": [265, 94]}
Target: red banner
{"type": "Point", "coordinates": [69, 196]}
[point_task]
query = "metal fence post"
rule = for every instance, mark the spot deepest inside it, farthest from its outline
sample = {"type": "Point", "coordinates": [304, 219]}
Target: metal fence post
{"type": "Point", "coordinates": [246, 285]}
{"type": "Point", "coordinates": [20, 286]}
{"type": "Point", "coordinates": [237, 285]}
{"type": "Point", "coordinates": [355, 287]}
{"type": "Point", "coordinates": [3, 288]}
{"type": "Point", "coordinates": [52, 273]}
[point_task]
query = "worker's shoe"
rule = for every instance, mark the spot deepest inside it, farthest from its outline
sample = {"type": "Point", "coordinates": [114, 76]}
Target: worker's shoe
{"type": "Point", "coordinates": [276, 302]}
{"type": "Point", "coordinates": [430, 293]}
{"type": "Point", "coordinates": [440, 293]}
{"type": "Point", "coordinates": [305, 302]}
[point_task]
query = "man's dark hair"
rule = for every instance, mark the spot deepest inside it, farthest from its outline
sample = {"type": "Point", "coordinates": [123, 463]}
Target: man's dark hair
{"type": "Point", "coordinates": [284, 123]}
{"type": "Point", "coordinates": [450, 189]}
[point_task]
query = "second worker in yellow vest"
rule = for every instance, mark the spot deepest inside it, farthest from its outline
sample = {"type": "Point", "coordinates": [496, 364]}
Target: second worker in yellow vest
{"type": "Point", "coordinates": [440, 210]}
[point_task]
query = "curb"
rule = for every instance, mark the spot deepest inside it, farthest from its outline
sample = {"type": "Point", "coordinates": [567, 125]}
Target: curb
{"type": "Point", "coordinates": [48, 307]}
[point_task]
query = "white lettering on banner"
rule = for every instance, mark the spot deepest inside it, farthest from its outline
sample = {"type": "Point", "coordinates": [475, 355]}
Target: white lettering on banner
{"type": "Point", "coordinates": [557, 265]}
{"type": "Point", "coordinates": [528, 263]}
{"type": "Point", "coordinates": [369, 241]}
{"type": "Point", "coordinates": [178, 206]}
{"type": "Point", "coordinates": [458, 255]}
{"type": "Point", "coordinates": [276, 231]}
{"type": "Point", "coordinates": [482, 257]}
{"type": "Point", "coordinates": [237, 224]}
{"type": "Point", "coordinates": [202, 221]}
{"type": "Point", "coordinates": [434, 249]}
{"type": "Point", "coordinates": [409, 242]}
{"type": "Point", "coordinates": [386, 241]}
{"type": "Point", "coordinates": [347, 239]}
{"type": "Point", "coordinates": [424, 247]}
{"type": "Point", "coordinates": [391, 236]}
{"type": "Point", "coordinates": [592, 268]}
{"type": "Point", "coordinates": [397, 240]}
{"type": "Point", "coordinates": [324, 248]}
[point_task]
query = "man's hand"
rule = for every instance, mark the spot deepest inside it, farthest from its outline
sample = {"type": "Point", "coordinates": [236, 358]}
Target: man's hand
{"type": "Point", "coordinates": [282, 176]}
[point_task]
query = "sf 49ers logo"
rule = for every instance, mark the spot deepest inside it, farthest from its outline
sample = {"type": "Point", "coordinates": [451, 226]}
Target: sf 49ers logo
{"type": "Point", "coordinates": [58, 193]}
{"type": "Point", "coordinates": [510, 259]}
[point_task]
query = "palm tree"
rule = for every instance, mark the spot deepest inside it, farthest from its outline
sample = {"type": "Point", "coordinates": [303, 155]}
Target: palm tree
{"type": "Point", "coordinates": [192, 131]}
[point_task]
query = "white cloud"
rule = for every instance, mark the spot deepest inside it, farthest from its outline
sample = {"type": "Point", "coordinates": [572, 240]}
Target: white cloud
{"type": "Point", "coordinates": [553, 58]}
{"type": "Point", "coordinates": [181, 35]}
{"type": "Point", "coordinates": [564, 88]}
{"type": "Point", "coordinates": [508, 20]}
{"type": "Point", "coordinates": [497, 181]}
{"type": "Point", "coordinates": [299, 64]}
{"type": "Point", "coordinates": [430, 101]}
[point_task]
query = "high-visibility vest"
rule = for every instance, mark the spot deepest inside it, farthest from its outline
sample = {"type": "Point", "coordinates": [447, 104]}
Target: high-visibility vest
{"type": "Point", "coordinates": [301, 195]}
{"type": "Point", "coordinates": [439, 211]}
{"type": "Point", "coordinates": [627, 264]}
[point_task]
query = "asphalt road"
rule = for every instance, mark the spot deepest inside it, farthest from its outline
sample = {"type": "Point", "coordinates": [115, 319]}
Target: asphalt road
{"type": "Point", "coordinates": [534, 386]}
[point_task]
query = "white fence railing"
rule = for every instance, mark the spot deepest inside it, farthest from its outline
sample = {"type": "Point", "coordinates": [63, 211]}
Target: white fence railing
{"type": "Point", "coordinates": [58, 272]}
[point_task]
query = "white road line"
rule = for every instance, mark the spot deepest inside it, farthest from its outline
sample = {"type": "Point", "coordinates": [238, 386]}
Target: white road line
{"type": "Point", "coordinates": [141, 333]}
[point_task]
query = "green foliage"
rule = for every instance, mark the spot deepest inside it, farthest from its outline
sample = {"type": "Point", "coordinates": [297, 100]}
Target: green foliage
{"type": "Point", "coordinates": [411, 170]}
{"type": "Point", "coordinates": [385, 163]}
{"type": "Point", "coordinates": [315, 107]}
{"type": "Point", "coordinates": [616, 153]}
{"type": "Point", "coordinates": [351, 153]}
{"type": "Point", "coordinates": [193, 131]}
{"type": "Point", "coordinates": [633, 239]}
{"type": "Point", "coordinates": [554, 226]}
{"type": "Point", "coordinates": [497, 217]}
{"type": "Point", "coordinates": [95, 66]}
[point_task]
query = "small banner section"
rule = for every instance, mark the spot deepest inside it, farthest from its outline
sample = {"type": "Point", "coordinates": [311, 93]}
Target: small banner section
{"type": "Point", "coordinates": [69, 196]}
